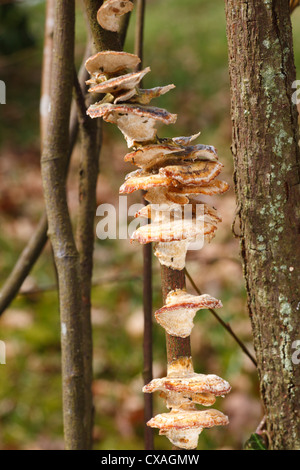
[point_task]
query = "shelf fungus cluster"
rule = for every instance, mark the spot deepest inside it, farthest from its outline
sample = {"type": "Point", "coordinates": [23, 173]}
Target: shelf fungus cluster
{"type": "Point", "coordinates": [174, 174]}
{"type": "Point", "coordinates": [183, 389]}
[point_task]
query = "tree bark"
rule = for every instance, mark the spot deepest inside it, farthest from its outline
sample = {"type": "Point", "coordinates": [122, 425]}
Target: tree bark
{"type": "Point", "coordinates": [176, 347]}
{"type": "Point", "coordinates": [266, 160]}
{"type": "Point", "coordinates": [91, 140]}
{"type": "Point", "coordinates": [46, 69]}
{"type": "Point", "coordinates": [60, 228]}
{"type": "Point", "coordinates": [102, 38]}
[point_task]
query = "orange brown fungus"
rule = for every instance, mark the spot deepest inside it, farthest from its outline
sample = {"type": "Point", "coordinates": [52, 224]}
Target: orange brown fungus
{"type": "Point", "coordinates": [173, 172]}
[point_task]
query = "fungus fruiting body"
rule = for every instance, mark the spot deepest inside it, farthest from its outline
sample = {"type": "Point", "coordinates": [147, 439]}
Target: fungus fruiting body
{"type": "Point", "coordinates": [173, 172]}
{"type": "Point", "coordinates": [109, 14]}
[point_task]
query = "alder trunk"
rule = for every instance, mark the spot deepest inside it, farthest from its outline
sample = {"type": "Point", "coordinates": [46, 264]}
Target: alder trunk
{"type": "Point", "coordinates": [53, 169]}
{"type": "Point", "coordinates": [266, 158]}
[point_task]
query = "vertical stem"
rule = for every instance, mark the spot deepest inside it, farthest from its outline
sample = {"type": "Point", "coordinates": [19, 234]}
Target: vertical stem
{"type": "Point", "coordinates": [60, 228]}
{"type": "Point", "coordinates": [102, 38]}
{"type": "Point", "coordinates": [176, 347]}
{"type": "Point", "coordinates": [88, 175]}
{"type": "Point", "coordinates": [91, 133]}
{"type": "Point", "coordinates": [46, 69]}
{"type": "Point", "coordinates": [147, 345]}
{"type": "Point", "coordinates": [139, 30]}
{"type": "Point", "coordinates": [147, 264]}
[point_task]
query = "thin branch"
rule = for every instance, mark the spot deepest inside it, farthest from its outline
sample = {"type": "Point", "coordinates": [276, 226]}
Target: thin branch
{"type": "Point", "coordinates": [46, 69]}
{"type": "Point", "coordinates": [147, 343]}
{"type": "Point", "coordinates": [26, 260]}
{"type": "Point", "coordinates": [139, 30]}
{"type": "Point", "coordinates": [60, 227]}
{"type": "Point", "coordinates": [225, 325]}
{"type": "Point", "coordinates": [147, 264]}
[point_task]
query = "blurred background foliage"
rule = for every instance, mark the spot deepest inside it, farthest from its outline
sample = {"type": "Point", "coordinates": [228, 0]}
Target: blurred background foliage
{"type": "Point", "coordinates": [185, 44]}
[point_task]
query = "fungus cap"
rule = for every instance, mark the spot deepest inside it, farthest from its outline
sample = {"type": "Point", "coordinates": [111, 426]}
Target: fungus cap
{"type": "Point", "coordinates": [145, 96]}
{"type": "Point", "coordinates": [123, 82]}
{"type": "Point", "coordinates": [189, 419]}
{"type": "Point", "coordinates": [136, 122]}
{"type": "Point", "coordinates": [210, 189]}
{"type": "Point", "coordinates": [161, 155]}
{"type": "Point", "coordinates": [177, 316]}
{"type": "Point", "coordinates": [193, 383]}
{"type": "Point", "coordinates": [195, 173]}
{"type": "Point", "coordinates": [143, 156]}
{"type": "Point", "coordinates": [134, 183]}
{"type": "Point", "coordinates": [154, 211]}
{"type": "Point", "coordinates": [162, 195]}
{"type": "Point", "coordinates": [186, 140]}
{"type": "Point", "coordinates": [182, 428]}
{"type": "Point", "coordinates": [174, 230]}
{"type": "Point", "coordinates": [111, 62]}
{"type": "Point", "coordinates": [109, 13]}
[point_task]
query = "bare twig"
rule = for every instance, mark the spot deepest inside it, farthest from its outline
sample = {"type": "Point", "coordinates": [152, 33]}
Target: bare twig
{"type": "Point", "coordinates": [22, 268]}
{"type": "Point", "coordinates": [147, 264]}
{"type": "Point", "coordinates": [225, 325]}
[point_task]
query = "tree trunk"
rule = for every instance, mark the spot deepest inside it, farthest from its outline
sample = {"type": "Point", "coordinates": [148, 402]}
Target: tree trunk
{"type": "Point", "coordinates": [53, 165]}
{"type": "Point", "coordinates": [91, 141]}
{"type": "Point", "coordinates": [266, 158]}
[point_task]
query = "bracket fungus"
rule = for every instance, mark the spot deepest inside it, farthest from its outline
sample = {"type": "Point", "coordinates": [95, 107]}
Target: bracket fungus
{"type": "Point", "coordinates": [176, 317]}
{"type": "Point", "coordinates": [136, 122]}
{"type": "Point", "coordinates": [106, 64]}
{"type": "Point", "coordinates": [173, 172]}
{"type": "Point", "coordinates": [183, 428]}
{"type": "Point", "coordinates": [122, 83]}
{"type": "Point", "coordinates": [109, 14]}
{"type": "Point", "coordinates": [183, 389]}
{"type": "Point", "coordinates": [158, 156]}
{"type": "Point", "coordinates": [193, 173]}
